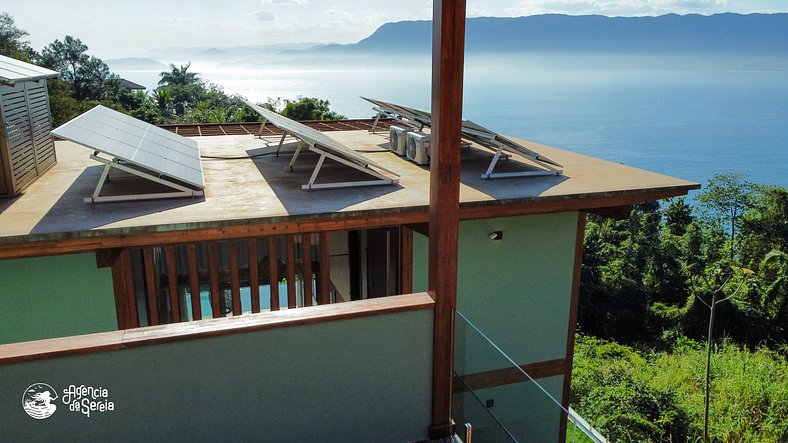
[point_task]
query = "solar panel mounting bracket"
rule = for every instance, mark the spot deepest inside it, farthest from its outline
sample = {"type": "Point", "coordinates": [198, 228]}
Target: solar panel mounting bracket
{"type": "Point", "coordinates": [382, 179]}
{"type": "Point", "coordinates": [315, 141]}
{"type": "Point", "coordinates": [489, 174]}
{"type": "Point", "coordinates": [180, 191]}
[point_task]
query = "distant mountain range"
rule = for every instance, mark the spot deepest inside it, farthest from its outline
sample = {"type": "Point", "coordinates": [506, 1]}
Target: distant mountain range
{"type": "Point", "coordinates": [721, 35]}
{"type": "Point", "coordinates": [765, 34]}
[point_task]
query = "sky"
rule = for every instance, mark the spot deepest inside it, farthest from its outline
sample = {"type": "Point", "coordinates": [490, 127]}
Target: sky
{"type": "Point", "coordinates": [114, 29]}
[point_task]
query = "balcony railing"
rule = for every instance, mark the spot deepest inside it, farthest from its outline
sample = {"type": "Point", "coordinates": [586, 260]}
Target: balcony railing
{"type": "Point", "coordinates": [501, 401]}
{"type": "Point", "coordinates": [356, 371]}
{"type": "Point", "coordinates": [184, 282]}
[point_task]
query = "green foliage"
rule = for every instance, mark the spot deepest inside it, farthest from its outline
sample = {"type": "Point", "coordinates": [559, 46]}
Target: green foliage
{"type": "Point", "coordinates": [726, 198]}
{"type": "Point", "coordinates": [608, 388]}
{"type": "Point", "coordinates": [181, 97]}
{"type": "Point", "coordinates": [309, 108]}
{"type": "Point", "coordinates": [641, 395]}
{"type": "Point", "coordinates": [11, 39]}
{"type": "Point", "coordinates": [641, 277]}
{"type": "Point", "coordinates": [87, 76]}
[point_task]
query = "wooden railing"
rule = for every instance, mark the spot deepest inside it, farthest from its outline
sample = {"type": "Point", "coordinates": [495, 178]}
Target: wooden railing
{"type": "Point", "coordinates": [115, 340]}
{"type": "Point", "coordinates": [168, 284]}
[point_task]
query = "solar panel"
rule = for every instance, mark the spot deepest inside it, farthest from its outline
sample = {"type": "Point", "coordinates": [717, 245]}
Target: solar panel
{"type": "Point", "coordinates": [422, 118]}
{"type": "Point", "coordinates": [138, 148]}
{"type": "Point", "coordinates": [324, 145]}
{"type": "Point", "coordinates": [478, 134]}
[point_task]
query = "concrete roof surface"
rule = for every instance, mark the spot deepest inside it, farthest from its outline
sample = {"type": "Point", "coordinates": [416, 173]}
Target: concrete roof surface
{"type": "Point", "coordinates": [245, 190]}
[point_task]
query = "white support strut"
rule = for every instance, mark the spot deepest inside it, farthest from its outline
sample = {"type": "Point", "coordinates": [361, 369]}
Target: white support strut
{"type": "Point", "coordinates": [182, 191]}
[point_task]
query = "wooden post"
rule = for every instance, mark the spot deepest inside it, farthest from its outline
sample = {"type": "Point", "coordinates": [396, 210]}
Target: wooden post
{"type": "Point", "coordinates": [572, 327]}
{"type": "Point", "coordinates": [172, 285]}
{"type": "Point", "coordinates": [448, 48]}
{"type": "Point", "coordinates": [125, 297]}
{"type": "Point", "coordinates": [194, 281]}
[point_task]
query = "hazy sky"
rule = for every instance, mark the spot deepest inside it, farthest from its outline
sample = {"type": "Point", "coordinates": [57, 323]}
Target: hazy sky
{"type": "Point", "coordinates": [126, 28]}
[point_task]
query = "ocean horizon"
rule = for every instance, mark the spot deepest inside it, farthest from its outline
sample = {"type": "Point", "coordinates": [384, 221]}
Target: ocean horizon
{"type": "Point", "coordinates": [688, 120]}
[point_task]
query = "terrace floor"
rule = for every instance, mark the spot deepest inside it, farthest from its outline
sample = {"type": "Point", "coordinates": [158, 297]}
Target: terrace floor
{"type": "Point", "coordinates": [244, 190]}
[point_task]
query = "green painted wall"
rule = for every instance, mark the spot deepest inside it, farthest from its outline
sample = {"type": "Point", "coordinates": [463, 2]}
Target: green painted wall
{"type": "Point", "coordinates": [55, 296]}
{"type": "Point", "coordinates": [362, 379]}
{"type": "Point", "coordinates": [517, 291]}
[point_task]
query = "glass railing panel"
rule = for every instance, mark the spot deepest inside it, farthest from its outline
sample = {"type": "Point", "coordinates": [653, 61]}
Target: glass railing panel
{"type": "Point", "coordinates": [473, 421]}
{"type": "Point", "coordinates": [527, 408]}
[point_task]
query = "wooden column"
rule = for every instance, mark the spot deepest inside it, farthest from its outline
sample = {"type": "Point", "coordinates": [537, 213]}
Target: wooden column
{"type": "Point", "coordinates": [572, 328]}
{"type": "Point", "coordinates": [448, 48]}
{"type": "Point", "coordinates": [125, 297]}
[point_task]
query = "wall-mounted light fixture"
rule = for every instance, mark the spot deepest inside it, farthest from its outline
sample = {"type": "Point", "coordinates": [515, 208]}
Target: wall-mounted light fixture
{"type": "Point", "coordinates": [496, 235]}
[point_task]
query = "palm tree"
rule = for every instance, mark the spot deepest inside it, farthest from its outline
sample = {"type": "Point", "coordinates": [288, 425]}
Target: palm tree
{"type": "Point", "coordinates": [161, 98]}
{"type": "Point", "coordinates": [178, 76]}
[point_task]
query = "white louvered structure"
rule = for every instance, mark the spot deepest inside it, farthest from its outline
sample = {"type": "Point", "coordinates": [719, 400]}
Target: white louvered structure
{"type": "Point", "coordinates": [26, 146]}
{"type": "Point", "coordinates": [138, 148]}
{"type": "Point", "coordinates": [325, 147]}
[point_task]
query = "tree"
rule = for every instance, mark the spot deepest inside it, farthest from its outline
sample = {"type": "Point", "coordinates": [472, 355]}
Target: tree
{"type": "Point", "coordinates": [183, 88]}
{"type": "Point", "coordinates": [309, 108]}
{"type": "Point", "coordinates": [87, 76]}
{"type": "Point", "coordinates": [766, 226]}
{"type": "Point", "coordinates": [178, 76]}
{"type": "Point", "coordinates": [728, 196]}
{"type": "Point", "coordinates": [678, 216]}
{"type": "Point", "coordinates": [712, 305]}
{"type": "Point", "coordinates": [11, 39]}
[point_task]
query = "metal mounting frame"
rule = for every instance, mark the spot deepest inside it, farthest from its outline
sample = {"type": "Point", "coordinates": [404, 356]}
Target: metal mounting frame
{"type": "Point", "coordinates": [382, 179]}
{"type": "Point", "coordinates": [548, 170]}
{"type": "Point", "coordinates": [181, 191]}
{"type": "Point", "coordinates": [327, 148]}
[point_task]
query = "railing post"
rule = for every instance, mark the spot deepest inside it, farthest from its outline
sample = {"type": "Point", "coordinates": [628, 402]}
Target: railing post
{"type": "Point", "coordinates": [448, 48]}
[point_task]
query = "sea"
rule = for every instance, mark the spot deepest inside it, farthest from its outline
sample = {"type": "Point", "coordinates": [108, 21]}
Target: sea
{"type": "Point", "coordinates": [682, 117]}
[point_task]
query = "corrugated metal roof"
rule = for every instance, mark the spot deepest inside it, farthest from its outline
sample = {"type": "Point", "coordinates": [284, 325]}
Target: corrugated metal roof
{"type": "Point", "coordinates": [14, 71]}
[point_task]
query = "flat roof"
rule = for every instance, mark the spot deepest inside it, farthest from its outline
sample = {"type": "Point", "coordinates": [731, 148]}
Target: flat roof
{"type": "Point", "coordinates": [246, 184]}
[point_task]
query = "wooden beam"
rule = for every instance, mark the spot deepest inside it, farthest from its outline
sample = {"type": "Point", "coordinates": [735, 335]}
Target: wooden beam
{"type": "Point", "coordinates": [507, 376]}
{"type": "Point", "coordinates": [125, 297]}
{"type": "Point", "coordinates": [254, 276]}
{"type": "Point", "coordinates": [306, 243]}
{"type": "Point", "coordinates": [105, 258]}
{"type": "Point", "coordinates": [150, 287]}
{"type": "Point", "coordinates": [325, 270]}
{"type": "Point", "coordinates": [291, 286]}
{"type": "Point", "coordinates": [194, 281]}
{"type": "Point", "coordinates": [235, 278]}
{"type": "Point", "coordinates": [176, 332]}
{"type": "Point", "coordinates": [468, 211]}
{"type": "Point", "coordinates": [172, 284]}
{"type": "Point", "coordinates": [421, 228]}
{"type": "Point", "coordinates": [572, 327]}
{"type": "Point", "coordinates": [273, 272]}
{"type": "Point", "coordinates": [406, 260]}
{"type": "Point", "coordinates": [213, 271]}
{"type": "Point", "coordinates": [448, 50]}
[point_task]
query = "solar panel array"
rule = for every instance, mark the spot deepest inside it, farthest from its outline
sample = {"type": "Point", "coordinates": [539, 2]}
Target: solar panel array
{"type": "Point", "coordinates": [416, 115]}
{"type": "Point", "coordinates": [470, 130]}
{"type": "Point", "coordinates": [134, 141]}
{"type": "Point", "coordinates": [314, 137]}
